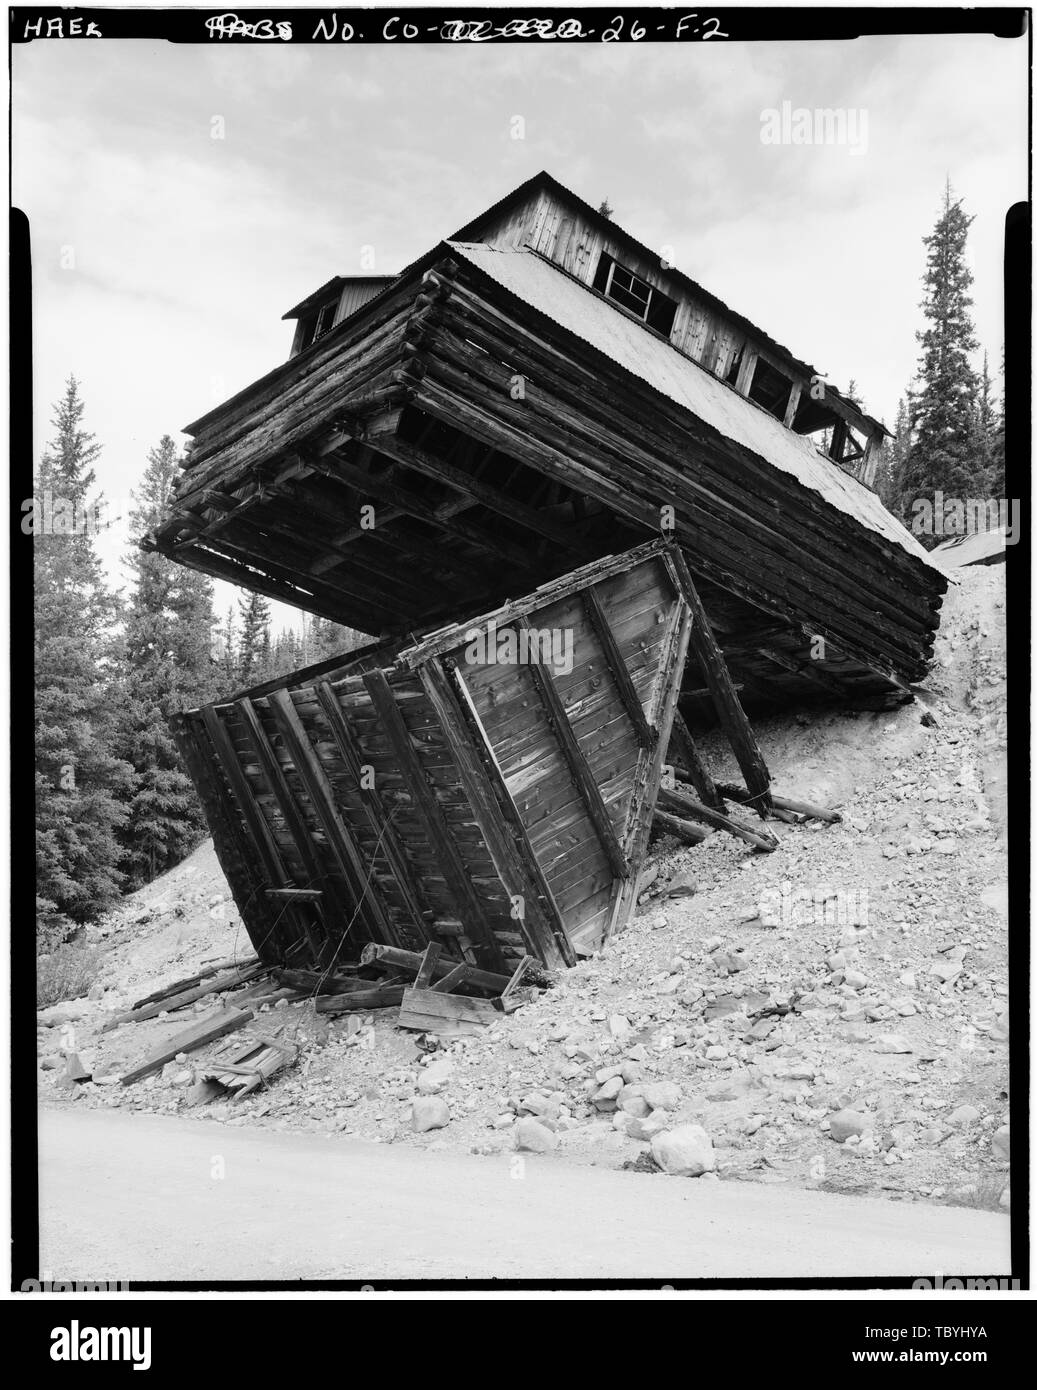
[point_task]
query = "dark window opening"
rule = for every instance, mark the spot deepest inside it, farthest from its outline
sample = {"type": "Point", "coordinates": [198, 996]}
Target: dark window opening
{"type": "Point", "coordinates": [734, 366]}
{"type": "Point", "coordinates": [318, 323]}
{"type": "Point", "coordinates": [770, 388]}
{"type": "Point", "coordinates": [635, 295]}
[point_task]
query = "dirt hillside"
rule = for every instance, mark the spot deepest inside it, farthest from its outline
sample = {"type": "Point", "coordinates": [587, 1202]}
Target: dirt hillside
{"type": "Point", "coordinates": [832, 1015]}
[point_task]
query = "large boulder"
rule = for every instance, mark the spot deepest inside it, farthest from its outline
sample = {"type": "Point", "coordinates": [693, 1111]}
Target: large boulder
{"type": "Point", "coordinates": [428, 1112]}
{"type": "Point", "coordinates": [534, 1137]}
{"type": "Point", "coordinates": [686, 1152]}
{"type": "Point", "coordinates": [844, 1124]}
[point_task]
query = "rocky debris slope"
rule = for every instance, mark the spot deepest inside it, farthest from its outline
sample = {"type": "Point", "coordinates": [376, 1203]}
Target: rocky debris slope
{"type": "Point", "coordinates": [833, 1014]}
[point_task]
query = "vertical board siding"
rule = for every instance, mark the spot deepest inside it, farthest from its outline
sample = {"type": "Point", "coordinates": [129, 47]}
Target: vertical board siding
{"type": "Point", "coordinates": [468, 807]}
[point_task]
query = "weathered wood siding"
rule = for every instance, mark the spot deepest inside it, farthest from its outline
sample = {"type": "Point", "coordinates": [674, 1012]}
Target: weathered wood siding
{"type": "Point", "coordinates": [416, 822]}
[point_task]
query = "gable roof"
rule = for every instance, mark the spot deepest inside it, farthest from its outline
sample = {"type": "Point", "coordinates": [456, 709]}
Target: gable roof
{"type": "Point", "coordinates": [330, 286]}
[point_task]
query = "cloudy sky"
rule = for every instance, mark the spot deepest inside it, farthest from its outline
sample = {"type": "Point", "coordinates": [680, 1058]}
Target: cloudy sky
{"type": "Point", "coordinates": [188, 249]}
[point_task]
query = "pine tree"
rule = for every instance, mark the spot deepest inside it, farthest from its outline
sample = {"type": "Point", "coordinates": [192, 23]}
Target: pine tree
{"type": "Point", "coordinates": [997, 485]}
{"type": "Point", "coordinates": [226, 656]}
{"type": "Point", "coordinates": [889, 480]}
{"type": "Point", "coordinates": [990, 437]}
{"type": "Point", "coordinates": [167, 668]}
{"type": "Point", "coordinates": [80, 783]}
{"type": "Point", "coordinates": [943, 410]}
{"type": "Point", "coordinates": [254, 645]}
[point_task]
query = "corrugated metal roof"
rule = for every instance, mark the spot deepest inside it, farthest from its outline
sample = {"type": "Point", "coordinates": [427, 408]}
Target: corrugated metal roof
{"type": "Point", "coordinates": [591, 318]}
{"type": "Point", "coordinates": [335, 283]}
{"type": "Point", "coordinates": [971, 550]}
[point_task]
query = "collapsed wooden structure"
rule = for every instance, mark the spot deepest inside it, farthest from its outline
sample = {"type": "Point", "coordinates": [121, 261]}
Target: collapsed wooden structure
{"type": "Point", "coordinates": [503, 411]}
{"type": "Point", "coordinates": [521, 412]}
{"type": "Point", "coordinates": [489, 787]}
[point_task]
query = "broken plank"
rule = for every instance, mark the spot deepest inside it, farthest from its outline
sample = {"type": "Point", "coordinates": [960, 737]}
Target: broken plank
{"type": "Point", "coordinates": [190, 981]}
{"type": "Point", "coordinates": [360, 1000]}
{"type": "Point", "coordinates": [392, 958]}
{"type": "Point", "coordinates": [423, 978]}
{"type": "Point", "coordinates": [427, 1011]}
{"type": "Point", "coordinates": [189, 996]}
{"type": "Point", "coordinates": [206, 1030]}
{"type": "Point", "coordinates": [457, 976]}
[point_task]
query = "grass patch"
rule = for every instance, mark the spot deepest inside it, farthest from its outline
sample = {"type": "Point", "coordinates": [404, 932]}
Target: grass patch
{"type": "Point", "coordinates": [67, 972]}
{"type": "Point", "coordinates": [983, 1193]}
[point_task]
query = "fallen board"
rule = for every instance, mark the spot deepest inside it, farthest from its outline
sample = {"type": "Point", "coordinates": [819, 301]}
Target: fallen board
{"type": "Point", "coordinates": [447, 1015]}
{"type": "Point", "coordinates": [207, 1030]}
{"type": "Point", "coordinates": [360, 1000]}
{"type": "Point", "coordinates": [189, 996]}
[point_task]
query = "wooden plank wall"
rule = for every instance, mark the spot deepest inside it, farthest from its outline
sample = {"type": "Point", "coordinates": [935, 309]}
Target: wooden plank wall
{"type": "Point", "coordinates": [640, 608]}
{"type": "Point", "coordinates": [415, 804]}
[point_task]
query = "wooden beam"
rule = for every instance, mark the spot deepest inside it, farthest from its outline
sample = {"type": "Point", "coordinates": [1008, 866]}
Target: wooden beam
{"type": "Point", "coordinates": [784, 803]}
{"type": "Point", "coordinates": [679, 803]}
{"type": "Point", "coordinates": [385, 996]}
{"type": "Point", "coordinates": [685, 830]}
{"type": "Point", "coordinates": [806, 669]}
{"type": "Point", "coordinates": [451, 864]}
{"type": "Point", "coordinates": [349, 858]}
{"type": "Point", "coordinates": [544, 681]}
{"type": "Point", "coordinates": [647, 736]}
{"type": "Point", "coordinates": [728, 707]}
{"type": "Point", "coordinates": [262, 836]}
{"type": "Point", "coordinates": [541, 924]}
{"type": "Point", "coordinates": [423, 978]}
{"type": "Point", "coordinates": [238, 854]}
{"type": "Point", "coordinates": [444, 518]}
{"type": "Point", "coordinates": [484, 494]}
{"type": "Point", "coordinates": [793, 405]}
{"type": "Point", "coordinates": [294, 822]}
{"type": "Point", "coordinates": [683, 749]}
{"type": "Point", "coordinates": [407, 882]}
{"type": "Point", "coordinates": [389, 958]}
{"type": "Point", "coordinates": [458, 976]}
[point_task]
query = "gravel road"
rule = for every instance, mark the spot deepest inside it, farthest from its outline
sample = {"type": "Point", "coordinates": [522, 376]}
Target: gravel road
{"type": "Point", "coordinates": [152, 1198]}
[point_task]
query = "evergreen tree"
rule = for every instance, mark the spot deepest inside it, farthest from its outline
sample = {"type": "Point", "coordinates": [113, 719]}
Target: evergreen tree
{"type": "Point", "coordinates": [226, 656]}
{"type": "Point", "coordinates": [80, 783]}
{"type": "Point", "coordinates": [167, 667]}
{"type": "Point", "coordinates": [943, 410]}
{"type": "Point", "coordinates": [990, 435]}
{"type": "Point", "coordinates": [997, 485]}
{"type": "Point", "coordinates": [889, 480]}
{"type": "Point", "coordinates": [254, 646]}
